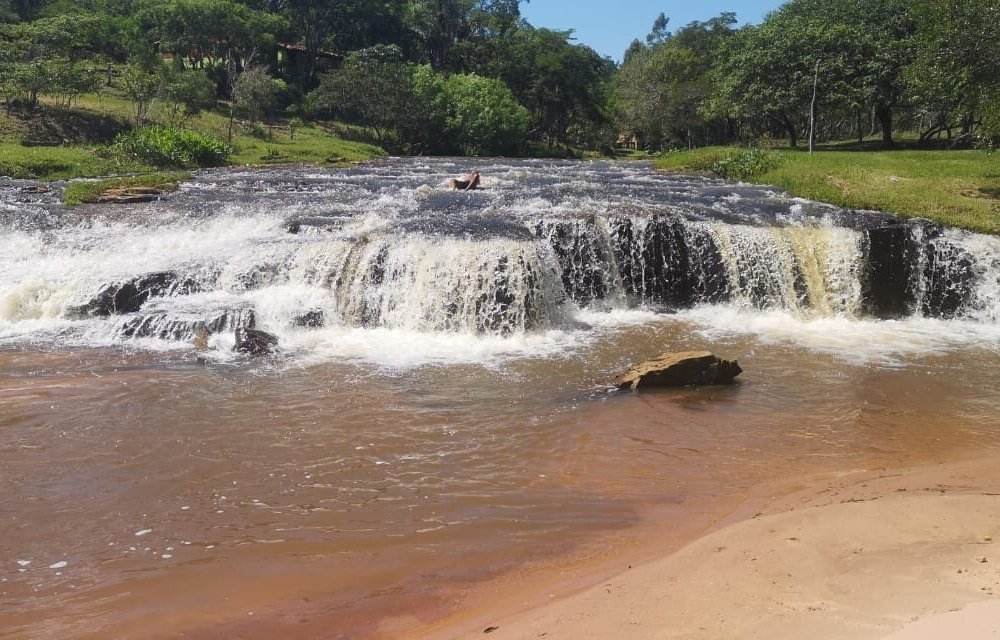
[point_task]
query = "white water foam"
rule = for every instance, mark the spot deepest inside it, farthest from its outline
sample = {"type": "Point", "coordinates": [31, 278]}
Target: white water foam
{"type": "Point", "coordinates": [859, 341]}
{"type": "Point", "coordinates": [405, 273]}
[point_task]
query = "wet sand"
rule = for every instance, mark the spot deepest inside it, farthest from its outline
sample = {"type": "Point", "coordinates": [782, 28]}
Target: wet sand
{"type": "Point", "coordinates": [901, 554]}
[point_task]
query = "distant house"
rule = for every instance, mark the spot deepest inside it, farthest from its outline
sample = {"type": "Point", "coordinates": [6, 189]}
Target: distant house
{"type": "Point", "coordinates": [628, 141]}
{"type": "Point", "coordinates": [293, 58]}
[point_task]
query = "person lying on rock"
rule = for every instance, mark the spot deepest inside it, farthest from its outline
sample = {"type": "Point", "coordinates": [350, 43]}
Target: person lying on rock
{"type": "Point", "coordinates": [465, 183]}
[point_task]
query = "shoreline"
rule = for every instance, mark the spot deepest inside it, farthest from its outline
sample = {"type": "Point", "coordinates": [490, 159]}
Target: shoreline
{"type": "Point", "coordinates": [887, 554]}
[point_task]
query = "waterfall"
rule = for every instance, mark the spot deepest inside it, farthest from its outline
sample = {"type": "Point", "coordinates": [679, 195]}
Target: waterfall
{"type": "Point", "coordinates": [286, 253]}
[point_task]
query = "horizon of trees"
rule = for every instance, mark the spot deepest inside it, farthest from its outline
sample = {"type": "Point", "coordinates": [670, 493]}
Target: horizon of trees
{"type": "Point", "coordinates": [858, 68]}
{"type": "Point", "coordinates": [473, 77]}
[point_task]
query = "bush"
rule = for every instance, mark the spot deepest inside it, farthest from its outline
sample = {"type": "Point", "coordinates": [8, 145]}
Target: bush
{"type": "Point", "coordinates": [745, 164]}
{"type": "Point", "coordinates": [484, 117]}
{"type": "Point", "coordinates": [170, 147]}
{"type": "Point", "coordinates": [185, 94]}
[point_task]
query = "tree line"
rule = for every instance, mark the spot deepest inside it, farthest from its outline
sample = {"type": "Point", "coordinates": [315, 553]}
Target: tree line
{"type": "Point", "coordinates": [829, 69]}
{"type": "Point", "coordinates": [473, 77]}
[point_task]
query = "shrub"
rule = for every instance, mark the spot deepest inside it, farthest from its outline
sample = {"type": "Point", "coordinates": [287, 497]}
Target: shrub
{"type": "Point", "coordinates": [185, 94]}
{"type": "Point", "coordinates": [744, 164]}
{"type": "Point", "coordinates": [170, 147]}
{"type": "Point", "coordinates": [484, 117]}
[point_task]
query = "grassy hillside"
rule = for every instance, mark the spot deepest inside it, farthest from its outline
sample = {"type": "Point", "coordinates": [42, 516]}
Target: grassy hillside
{"type": "Point", "coordinates": [955, 188]}
{"type": "Point", "coordinates": [54, 143]}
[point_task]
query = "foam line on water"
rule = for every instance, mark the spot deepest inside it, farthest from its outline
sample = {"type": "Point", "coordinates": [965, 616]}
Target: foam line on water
{"type": "Point", "coordinates": [851, 339]}
{"type": "Point", "coordinates": [405, 349]}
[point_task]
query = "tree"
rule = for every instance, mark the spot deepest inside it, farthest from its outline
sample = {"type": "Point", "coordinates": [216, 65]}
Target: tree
{"type": "Point", "coordinates": [185, 94]}
{"type": "Point", "coordinates": [212, 34]}
{"type": "Point", "coordinates": [956, 72]}
{"type": "Point", "coordinates": [765, 74]}
{"type": "Point", "coordinates": [142, 87]}
{"type": "Point", "coordinates": [374, 88]}
{"type": "Point", "coordinates": [48, 57]}
{"type": "Point", "coordinates": [658, 34]}
{"type": "Point", "coordinates": [256, 92]}
{"type": "Point", "coordinates": [342, 26]}
{"type": "Point", "coordinates": [438, 25]}
{"type": "Point", "coordinates": [881, 35]}
{"type": "Point", "coordinates": [561, 84]}
{"type": "Point", "coordinates": [484, 117]}
{"type": "Point", "coordinates": [661, 91]}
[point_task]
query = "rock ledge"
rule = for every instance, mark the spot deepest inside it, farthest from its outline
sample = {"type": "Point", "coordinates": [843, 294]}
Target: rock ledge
{"type": "Point", "coordinates": [679, 370]}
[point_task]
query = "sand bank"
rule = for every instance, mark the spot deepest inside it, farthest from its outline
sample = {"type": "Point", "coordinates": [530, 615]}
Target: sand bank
{"type": "Point", "coordinates": [904, 555]}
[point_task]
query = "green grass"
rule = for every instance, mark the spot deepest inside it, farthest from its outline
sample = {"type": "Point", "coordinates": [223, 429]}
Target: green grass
{"type": "Point", "coordinates": [955, 188]}
{"type": "Point", "coordinates": [52, 163]}
{"type": "Point", "coordinates": [311, 145]}
{"type": "Point", "coordinates": [84, 159]}
{"type": "Point", "coordinates": [78, 193]}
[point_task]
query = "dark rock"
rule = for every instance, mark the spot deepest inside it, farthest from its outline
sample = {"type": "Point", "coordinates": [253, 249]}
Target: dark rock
{"type": "Point", "coordinates": [887, 276]}
{"type": "Point", "coordinates": [666, 262]}
{"type": "Point", "coordinates": [949, 278]}
{"type": "Point", "coordinates": [318, 222]}
{"type": "Point", "coordinates": [679, 370]}
{"type": "Point", "coordinates": [587, 271]}
{"type": "Point", "coordinates": [312, 319]}
{"type": "Point", "coordinates": [129, 296]}
{"type": "Point", "coordinates": [255, 342]}
{"type": "Point", "coordinates": [233, 319]}
{"type": "Point", "coordinates": [166, 326]}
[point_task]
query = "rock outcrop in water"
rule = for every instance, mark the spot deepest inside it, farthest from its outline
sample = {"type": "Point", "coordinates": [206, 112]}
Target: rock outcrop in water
{"type": "Point", "coordinates": [679, 370]}
{"type": "Point", "coordinates": [163, 325]}
{"type": "Point", "coordinates": [310, 319]}
{"type": "Point", "coordinates": [255, 342]}
{"type": "Point", "coordinates": [130, 295]}
{"type": "Point", "coordinates": [129, 195]}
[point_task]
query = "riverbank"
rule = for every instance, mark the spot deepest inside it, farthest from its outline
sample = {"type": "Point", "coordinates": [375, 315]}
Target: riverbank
{"type": "Point", "coordinates": [879, 554]}
{"type": "Point", "coordinates": [956, 188]}
{"type": "Point", "coordinates": [59, 143]}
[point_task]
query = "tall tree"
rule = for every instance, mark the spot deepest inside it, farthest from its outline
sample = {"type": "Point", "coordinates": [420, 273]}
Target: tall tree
{"type": "Point", "coordinates": [883, 31]}
{"type": "Point", "coordinates": [765, 75]}
{"type": "Point", "coordinates": [560, 83]}
{"type": "Point", "coordinates": [661, 90]}
{"type": "Point", "coordinates": [956, 72]}
{"type": "Point", "coordinates": [208, 33]}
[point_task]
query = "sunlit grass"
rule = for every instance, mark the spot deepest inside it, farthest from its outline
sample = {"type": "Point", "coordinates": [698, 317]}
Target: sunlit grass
{"type": "Point", "coordinates": [51, 163]}
{"type": "Point", "coordinates": [955, 188]}
{"type": "Point", "coordinates": [312, 143]}
{"type": "Point", "coordinates": [77, 193]}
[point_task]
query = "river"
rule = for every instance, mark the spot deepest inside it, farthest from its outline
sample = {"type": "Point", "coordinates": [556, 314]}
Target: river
{"type": "Point", "coordinates": [437, 415]}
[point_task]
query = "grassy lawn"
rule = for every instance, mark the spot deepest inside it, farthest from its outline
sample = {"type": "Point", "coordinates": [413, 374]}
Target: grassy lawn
{"type": "Point", "coordinates": [955, 188]}
{"type": "Point", "coordinates": [54, 163]}
{"type": "Point", "coordinates": [68, 143]}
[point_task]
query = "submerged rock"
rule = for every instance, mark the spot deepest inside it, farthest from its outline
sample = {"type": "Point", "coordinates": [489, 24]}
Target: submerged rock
{"type": "Point", "coordinates": [255, 342]}
{"type": "Point", "coordinates": [679, 370]}
{"type": "Point", "coordinates": [165, 325]}
{"type": "Point", "coordinates": [129, 195]}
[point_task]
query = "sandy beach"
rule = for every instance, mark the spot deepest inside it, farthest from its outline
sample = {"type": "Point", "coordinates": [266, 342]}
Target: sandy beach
{"type": "Point", "coordinates": [895, 555]}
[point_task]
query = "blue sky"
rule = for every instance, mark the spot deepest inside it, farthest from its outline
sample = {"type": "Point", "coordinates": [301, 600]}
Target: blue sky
{"type": "Point", "coordinates": [609, 26]}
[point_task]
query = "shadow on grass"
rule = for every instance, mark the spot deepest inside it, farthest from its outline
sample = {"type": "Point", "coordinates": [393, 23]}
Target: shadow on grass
{"type": "Point", "coordinates": [990, 192]}
{"type": "Point", "coordinates": [52, 126]}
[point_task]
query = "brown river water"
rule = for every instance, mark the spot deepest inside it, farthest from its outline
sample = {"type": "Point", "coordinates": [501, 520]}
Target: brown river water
{"type": "Point", "coordinates": [358, 483]}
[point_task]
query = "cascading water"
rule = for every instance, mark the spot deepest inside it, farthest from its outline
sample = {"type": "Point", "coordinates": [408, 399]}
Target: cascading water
{"type": "Point", "coordinates": [436, 413]}
{"type": "Point", "coordinates": [386, 247]}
